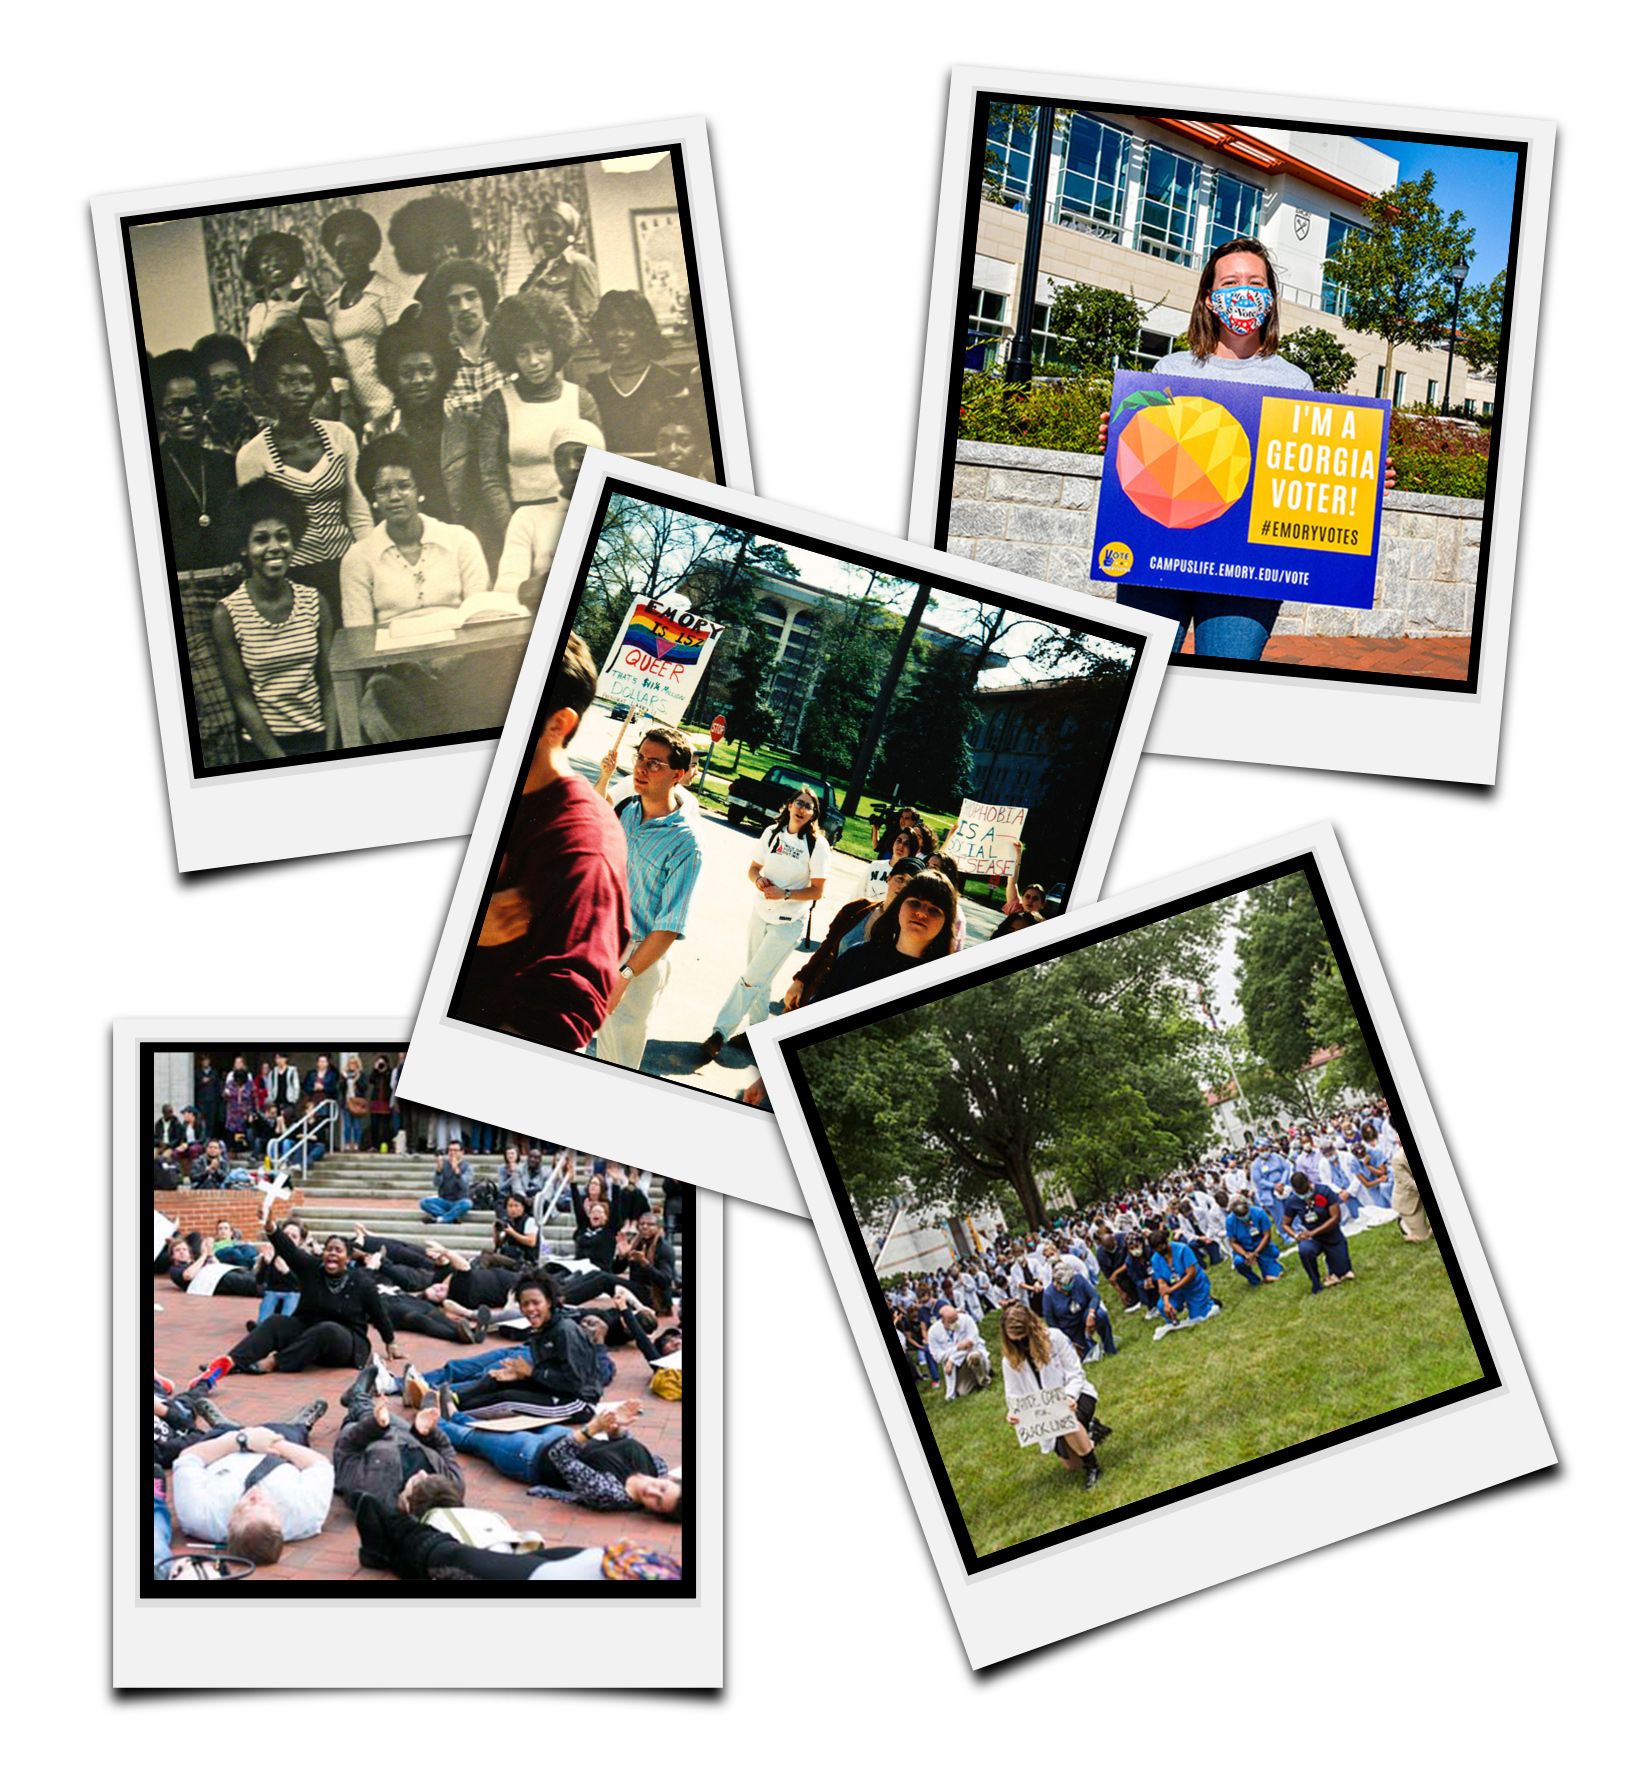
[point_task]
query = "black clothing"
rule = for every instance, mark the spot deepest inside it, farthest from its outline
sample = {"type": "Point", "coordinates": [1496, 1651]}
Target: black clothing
{"type": "Point", "coordinates": [303, 1345]}
{"type": "Point", "coordinates": [598, 1245]}
{"type": "Point", "coordinates": [479, 1288]}
{"type": "Point", "coordinates": [406, 1546]}
{"type": "Point", "coordinates": [235, 1282]}
{"type": "Point", "coordinates": [188, 471]}
{"type": "Point", "coordinates": [564, 1368]}
{"type": "Point", "coordinates": [864, 964]}
{"type": "Point", "coordinates": [351, 1300]}
{"type": "Point", "coordinates": [410, 1314]}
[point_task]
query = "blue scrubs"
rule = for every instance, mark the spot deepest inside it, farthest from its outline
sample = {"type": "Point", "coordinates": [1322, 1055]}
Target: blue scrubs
{"type": "Point", "coordinates": [1171, 1266]}
{"type": "Point", "coordinates": [1070, 1309]}
{"type": "Point", "coordinates": [1374, 1170]}
{"type": "Point", "coordinates": [1268, 1174]}
{"type": "Point", "coordinates": [1248, 1233]}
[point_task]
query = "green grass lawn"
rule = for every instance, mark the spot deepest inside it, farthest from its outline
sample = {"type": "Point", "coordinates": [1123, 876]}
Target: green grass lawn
{"type": "Point", "coordinates": [1276, 1367]}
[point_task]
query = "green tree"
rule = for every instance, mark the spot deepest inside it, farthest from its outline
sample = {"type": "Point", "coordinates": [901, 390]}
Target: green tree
{"type": "Point", "coordinates": [1282, 946]}
{"type": "Point", "coordinates": [1097, 325]}
{"type": "Point", "coordinates": [1085, 1068]}
{"type": "Point", "coordinates": [855, 651]}
{"type": "Point", "coordinates": [725, 584]}
{"type": "Point", "coordinates": [1337, 1025]}
{"type": "Point", "coordinates": [1322, 356]}
{"type": "Point", "coordinates": [1398, 270]}
{"type": "Point", "coordinates": [1482, 314]}
{"type": "Point", "coordinates": [748, 717]}
{"type": "Point", "coordinates": [925, 749]}
{"type": "Point", "coordinates": [1000, 118]}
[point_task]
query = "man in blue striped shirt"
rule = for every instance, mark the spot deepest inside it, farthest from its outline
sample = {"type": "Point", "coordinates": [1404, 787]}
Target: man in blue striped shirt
{"type": "Point", "coordinates": [663, 863]}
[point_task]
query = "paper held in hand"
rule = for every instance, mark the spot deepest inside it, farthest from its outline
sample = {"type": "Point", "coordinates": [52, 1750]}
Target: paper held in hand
{"type": "Point", "coordinates": [984, 837]}
{"type": "Point", "coordinates": [1047, 1414]}
{"type": "Point", "coordinates": [277, 1188]}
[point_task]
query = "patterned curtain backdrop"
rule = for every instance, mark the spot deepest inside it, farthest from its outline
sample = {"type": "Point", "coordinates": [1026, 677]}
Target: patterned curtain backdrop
{"type": "Point", "coordinates": [228, 235]}
{"type": "Point", "coordinates": [492, 200]}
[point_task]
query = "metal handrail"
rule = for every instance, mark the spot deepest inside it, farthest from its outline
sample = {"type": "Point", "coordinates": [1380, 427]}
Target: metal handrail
{"type": "Point", "coordinates": [324, 1115]}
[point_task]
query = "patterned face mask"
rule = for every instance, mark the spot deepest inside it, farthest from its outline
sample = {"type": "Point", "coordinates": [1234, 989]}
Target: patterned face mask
{"type": "Point", "coordinates": [1241, 308]}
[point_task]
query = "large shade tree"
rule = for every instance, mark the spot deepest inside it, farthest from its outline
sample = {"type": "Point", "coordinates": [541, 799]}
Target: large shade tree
{"type": "Point", "coordinates": [1086, 1067]}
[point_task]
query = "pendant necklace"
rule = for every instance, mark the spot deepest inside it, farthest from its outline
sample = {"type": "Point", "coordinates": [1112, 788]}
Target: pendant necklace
{"type": "Point", "coordinates": [197, 492]}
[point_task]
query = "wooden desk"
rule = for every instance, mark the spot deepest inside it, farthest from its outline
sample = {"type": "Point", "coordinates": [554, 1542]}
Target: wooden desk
{"type": "Point", "coordinates": [354, 655]}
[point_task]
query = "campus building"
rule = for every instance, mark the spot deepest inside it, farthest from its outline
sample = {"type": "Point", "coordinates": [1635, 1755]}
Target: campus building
{"type": "Point", "coordinates": [1136, 203]}
{"type": "Point", "coordinates": [1225, 1100]}
{"type": "Point", "coordinates": [795, 616]}
{"type": "Point", "coordinates": [1010, 751]}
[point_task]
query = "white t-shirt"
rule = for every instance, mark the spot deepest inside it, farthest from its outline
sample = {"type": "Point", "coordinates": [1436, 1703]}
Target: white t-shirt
{"type": "Point", "coordinates": [790, 864]}
{"type": "Point", "coordinates": [204, 1497]}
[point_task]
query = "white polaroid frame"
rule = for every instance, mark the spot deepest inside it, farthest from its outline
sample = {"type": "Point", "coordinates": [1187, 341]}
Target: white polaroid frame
{"type": "Point", "coordinates": [734, 1147]}
{"type": "Point", "coordinates": [163, 1645]}
{"type": "Point", "coordinates": [1333, 725]}
{"type": "Point", "coordinates": [428, 792]}
{"type": "Point", "coordinates": [1035, 1598]}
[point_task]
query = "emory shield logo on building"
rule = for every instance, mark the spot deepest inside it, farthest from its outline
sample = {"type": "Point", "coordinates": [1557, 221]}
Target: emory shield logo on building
{"type": "Point", "coordinates": [1116, 559]}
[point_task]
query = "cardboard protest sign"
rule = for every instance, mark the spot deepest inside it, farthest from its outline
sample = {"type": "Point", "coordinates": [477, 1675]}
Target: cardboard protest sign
{"type": "Point", "coordinates": [1047, 1414]}
{"type": "Point", "coordinates": [1253, 491]}
{"type": "Point", "coordinates": [982, 841]}
{"type": "Point", "coordinates": [657, 659]}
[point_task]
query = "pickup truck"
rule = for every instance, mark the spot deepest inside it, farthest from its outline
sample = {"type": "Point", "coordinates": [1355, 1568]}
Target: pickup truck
{"type": "Point", "coordinates": [756, 801]}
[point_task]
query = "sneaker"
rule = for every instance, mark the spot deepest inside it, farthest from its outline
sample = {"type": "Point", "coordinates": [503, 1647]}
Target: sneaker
{"type": "Point", "coordinates": [483, 1312]}
{"type": "Point", "coordinates": [1091, 1479]}
{"type": "Point", "coordinates": [1162, 1332]}
{"type": "Point", "coordinates": [212, 1373]}
{"type": "Point", "coordinates": [164, 1384]}
{"type": "Point", "coordinates": [386, 1382]}
{"type": "Point", "coordinates": [310, 1414]}
{"type": "Point", "coordinates": [447, 1401]}
{"type": "Point", "coordinates": [1133, 1308]}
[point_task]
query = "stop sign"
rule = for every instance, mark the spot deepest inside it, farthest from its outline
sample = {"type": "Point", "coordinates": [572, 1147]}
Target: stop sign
{"type": "Point", "coordinates": [717, 729]}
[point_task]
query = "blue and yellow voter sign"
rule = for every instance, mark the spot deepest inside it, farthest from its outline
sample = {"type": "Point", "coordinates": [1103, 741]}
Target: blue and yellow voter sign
{"type": "Point", "coordinates": [1237, 488]}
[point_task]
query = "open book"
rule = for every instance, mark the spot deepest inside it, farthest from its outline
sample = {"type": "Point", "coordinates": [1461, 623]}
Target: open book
{"type": "Point", "coordinates": [442, 623]}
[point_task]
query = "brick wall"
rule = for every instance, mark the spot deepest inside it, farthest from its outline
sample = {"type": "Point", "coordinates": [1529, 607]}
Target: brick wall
{"type": "Point", "coordinates": [1033, 511]}
{"type": "Point", "coordinates": [200, 1211]}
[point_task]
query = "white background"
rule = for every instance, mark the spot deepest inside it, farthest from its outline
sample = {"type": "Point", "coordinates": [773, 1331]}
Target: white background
{"type": "Point", "coordinates": [1504, 918]}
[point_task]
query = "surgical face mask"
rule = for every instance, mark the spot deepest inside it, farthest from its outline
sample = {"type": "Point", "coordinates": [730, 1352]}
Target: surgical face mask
{"type": "Point", "coordinates": [1241, 308]}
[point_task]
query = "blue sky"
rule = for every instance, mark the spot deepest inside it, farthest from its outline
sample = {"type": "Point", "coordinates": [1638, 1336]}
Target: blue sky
{"type": "Point", "coordinates": [1479, 181]}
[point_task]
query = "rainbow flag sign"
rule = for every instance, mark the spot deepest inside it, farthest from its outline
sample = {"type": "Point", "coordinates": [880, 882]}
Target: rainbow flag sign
{"type": "Point", "coordinates": [657, 660]}
{"type": "Point", "coordinates": [1256, 491]}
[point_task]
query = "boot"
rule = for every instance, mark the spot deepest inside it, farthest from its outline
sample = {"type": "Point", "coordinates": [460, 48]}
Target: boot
{"type": "Point", "coordinates": [1091, 1472]}
{"type": "Point", "coordinates": [198, 1402]}
{"type": "Point", "coordinates": [310, 1415]}
{"type": "Point", "coordinates": [362, 1388]}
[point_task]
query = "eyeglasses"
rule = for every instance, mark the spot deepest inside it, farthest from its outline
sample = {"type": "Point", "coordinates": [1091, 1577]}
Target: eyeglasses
{"type": "Point", "coordinates": [642, 762]}
{"type": "Point", "coordinates": [183, 407]}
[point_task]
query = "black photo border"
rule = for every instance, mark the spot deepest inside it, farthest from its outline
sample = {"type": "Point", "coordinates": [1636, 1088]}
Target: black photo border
{"type": "Point", "coordinates": [910, 1000]}
{"type": "Point", "coordinates": [157, 1591]}
{"type": "Point", "coordinates": [984, 100]}
{"type": "Point", "coordinates": [952, 584]}
{"type": "Point", "coordinates": [129, 221]}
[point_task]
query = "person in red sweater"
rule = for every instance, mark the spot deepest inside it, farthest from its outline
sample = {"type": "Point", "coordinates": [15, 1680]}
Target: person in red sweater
{"type": "Point", "coordinates": [556, 920]}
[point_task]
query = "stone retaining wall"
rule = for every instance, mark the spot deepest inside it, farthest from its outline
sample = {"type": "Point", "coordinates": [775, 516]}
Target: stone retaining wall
{"type": "Point", "coordinates": [1033, 511]}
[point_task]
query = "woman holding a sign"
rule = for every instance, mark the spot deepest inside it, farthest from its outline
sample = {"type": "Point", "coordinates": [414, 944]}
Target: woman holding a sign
{"type": "Point", "coordinates": [1232, 338]}
{"type": "Point", "coordinates": [1044, 1386]}
{"type": "Point", "coordinates": [789, 873]}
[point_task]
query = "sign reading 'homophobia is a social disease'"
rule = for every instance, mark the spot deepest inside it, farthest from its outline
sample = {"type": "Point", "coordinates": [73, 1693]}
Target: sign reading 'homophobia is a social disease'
{"type": "Point", "coordinates": [657, 659]}
{"type": "Point", "coordinates": [1212, 486]}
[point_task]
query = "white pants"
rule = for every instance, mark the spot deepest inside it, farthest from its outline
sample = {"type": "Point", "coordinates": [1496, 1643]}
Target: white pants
{"type": "Point", "coordinates": [769, 943]}
{"type": "Point", "coordinates": [623, 1034]}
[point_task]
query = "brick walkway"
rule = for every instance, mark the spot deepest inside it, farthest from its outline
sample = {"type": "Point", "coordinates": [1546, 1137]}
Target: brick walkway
{"type": "Point", "coordinates": [194, 1329]}
{"type": "Point", "coordinates": [1423, 657]}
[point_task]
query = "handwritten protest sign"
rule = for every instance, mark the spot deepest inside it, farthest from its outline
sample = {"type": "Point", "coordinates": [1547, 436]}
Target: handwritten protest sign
{"type": "Point", "coordinates": [1254, 491]}
{"type": "Point", "coordinates": [1047, 1414]}
{"type": "Point", "coordinates": [657, 659]}
{"type": "Point", "coordinates": [982, 842]}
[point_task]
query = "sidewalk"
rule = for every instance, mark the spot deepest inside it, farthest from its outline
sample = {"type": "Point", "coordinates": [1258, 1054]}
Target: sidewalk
{"type": "Point", "coordinates": [708, 959]}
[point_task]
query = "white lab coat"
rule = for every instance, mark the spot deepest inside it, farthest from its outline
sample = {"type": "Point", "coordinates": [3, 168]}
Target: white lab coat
{"type": "Point", "coordinates": [1063, 1370]}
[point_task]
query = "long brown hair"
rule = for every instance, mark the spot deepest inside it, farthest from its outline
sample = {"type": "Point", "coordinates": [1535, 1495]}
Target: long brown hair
{"type": "Point", "coordinates": [931, 886]}
{"type": "Point", "coordinates": [1018, 1351]}
{"type": "Point", "coordinates": [812, 827]}
{"type": "Point", "coordinates": [1203, 335]}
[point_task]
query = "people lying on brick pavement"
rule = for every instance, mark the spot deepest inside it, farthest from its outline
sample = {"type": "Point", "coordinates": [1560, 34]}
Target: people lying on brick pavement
{"type": "Point", "coordinates": [229, 1248]}
{"type": "Point", "coordinates": [200, 1271]}
{"type": "Point", "coordinates": [598, 1465]}
{"type": "Point", "coordinates": [407, 1464]}
{"type": "Point", "coordinates": [183, 1419]}
{"type": "Point", "coordinates": [559, 1377]}
{"type": "Point", "coordinates": [279, 1288]}
{"type": "Point", "coordinates": [431, 1312]}
{"type": "Point", "coordinates": [254, 1489]}
{"type": "Point", "coordinates": [328, 1328]}
{"type": "Point", "coordinates": [418, 1549]}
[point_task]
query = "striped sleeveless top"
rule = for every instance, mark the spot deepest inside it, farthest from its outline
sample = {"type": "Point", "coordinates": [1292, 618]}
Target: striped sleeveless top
{"type": "Point", "coordinates": [320, 489]}
{"type": "Point", "coordinates": [280, 659]}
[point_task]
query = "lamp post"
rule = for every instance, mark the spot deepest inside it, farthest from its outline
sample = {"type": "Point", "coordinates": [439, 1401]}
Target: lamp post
{"type": "Point", "coordinates": [1018, 365]}
{"type": "Point", "coordinates": [1462, 270]}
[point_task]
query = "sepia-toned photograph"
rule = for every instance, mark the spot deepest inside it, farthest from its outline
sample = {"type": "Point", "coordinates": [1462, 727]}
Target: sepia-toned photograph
{"type": "Point", "coordinates": [368, 408]}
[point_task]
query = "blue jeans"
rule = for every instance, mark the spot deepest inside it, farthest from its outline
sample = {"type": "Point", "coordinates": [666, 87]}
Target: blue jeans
{"type": "Point", "coordinates": [242, 1254]}
{"type": "Point", "coordinates": [162, 1534]}
{"type": "Point", "coordinates": [278, 1302]}
{"type": "Point", "coordinates": [516, 1454]}
{"type": "Point", "coordinates": [1226, 628]}
{"type": "Point", "coordinates": [351, 1127]}
{"type": "Point", "coordinates": [443, 1211]}
{"type": "Point", "coordinates": [1103, 1326]}
{"type": "Point", "coordinates": [470, 1369]}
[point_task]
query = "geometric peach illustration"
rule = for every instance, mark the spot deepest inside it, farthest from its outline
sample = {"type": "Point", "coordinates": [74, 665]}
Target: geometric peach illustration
{"type": "Point", "coordinates": [1183, 461]}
